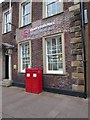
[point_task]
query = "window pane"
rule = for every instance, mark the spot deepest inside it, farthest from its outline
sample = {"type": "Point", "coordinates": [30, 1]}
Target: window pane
{"type": "Point", "coordinates": [54, 53]}
{"type": "Point", "coordinates": [7, 20]}
{"type": "Point", "coordinates": [26, 19]}
{"type": "Point", "coordinates": [49, 47]}
{"type": "Point", "coordinates": [49, 66]}
{"type": "Point", "coordinates": [54, 66]}
{"type": "Point", "coordinates": [53, 7]}
{"type": "Point", "coordinates": [50, 1]}
{"type": "Point", "coordinates": [26, 13]}
{"type": "Point", "coordinates": [25, 56]}
{"type": "Point", "coordinates": [58, 7]}
{"type": "Point", "coordinates": [49, 10]}
{"type": "Point", "coordinates": [28, 8]}
{"type": "Point", "coordinates": [60, 65]}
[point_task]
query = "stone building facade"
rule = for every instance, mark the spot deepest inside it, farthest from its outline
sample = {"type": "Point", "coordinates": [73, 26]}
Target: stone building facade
{"type": "Point", "coordinates": [51, 41]}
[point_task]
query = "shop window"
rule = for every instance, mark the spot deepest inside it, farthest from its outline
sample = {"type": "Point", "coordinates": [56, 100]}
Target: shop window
{"type": "Point", "coordinates": [7, 21]}
{"type": "Point", "coordinates": [24, 56]}
{"type": "Point", "coordinates": [25, 13]}
{"type": "Point", "coordinates": [55, 60]}
{"type": "Point", "coordinates": [52, 7]}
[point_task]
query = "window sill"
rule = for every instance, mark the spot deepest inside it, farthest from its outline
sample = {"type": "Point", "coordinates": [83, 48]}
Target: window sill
{"type": "Point", "coordinates": [52, 15]}
{"type": "Point", "coordinates": [6, 32]}
{"type": "Point", "coordinates": [21, 72]}
{"type": "Point", "coordinates": [64, 74]}
{"type": "Point", "coordinates": [24, 26]}
{"type": "Point", "coordinates": [60, 74]}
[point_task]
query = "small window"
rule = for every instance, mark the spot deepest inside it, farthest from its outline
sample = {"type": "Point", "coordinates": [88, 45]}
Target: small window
{"type": "Point", "coordinates": [7, 21]}
{"type": "Point", "coordinates": [25, 56]}
{"type": "Point", "coordinates": [25, 13]}
{"type": "Point", "coordinates": [52, 7]}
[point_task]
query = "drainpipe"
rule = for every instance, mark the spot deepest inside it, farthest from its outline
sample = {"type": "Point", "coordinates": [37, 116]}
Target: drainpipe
{"type": "Point", "coordinates": [83, 45]}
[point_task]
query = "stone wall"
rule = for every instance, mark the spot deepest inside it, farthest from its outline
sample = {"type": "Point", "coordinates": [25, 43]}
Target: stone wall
{"type": "Point", "coordinates": [77, 51]}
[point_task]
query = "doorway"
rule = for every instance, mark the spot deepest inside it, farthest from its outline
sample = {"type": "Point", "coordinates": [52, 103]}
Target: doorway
{"type": "Point", "coordinates": [6, 67]}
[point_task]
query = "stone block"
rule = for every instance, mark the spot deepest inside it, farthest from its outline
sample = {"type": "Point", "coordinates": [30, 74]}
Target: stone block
{"type": "Point", "coordinates": [72, 29]}
{"type": "Point", "coordinates": [6, 82]}
{"type": "Point", "coordinates": [80, 69]}
{"type": "Point", "coordinates": [74, 7]}
{"type": "Point", "coordinates": [76, 40]}
{"type": "Point", "coordinates": [79, 57]}
{"type": "Point", "coordinates": [79, 88]}
{"type": "Point", "coordinates": [75, 63]}
{"type": "Point", "coordinates": [77, 22]}
{"type": "Point", "coordinates": [79, 82]}
{"type": "Point", "coordinates": [78, 34]}
{"type": "Point", "coordinates": [75, 29]}
{"type": "Point", "coordinates": [76, 1]}
{"type": "Point", "coordinates": [75, 18]}
{"type": "Point", "coordinates": [77, 11]}
{"type": "Point", "coordinates": [76, 51]}
{"type": "Point", "coordinates": [77, 46]}
{"type": "Point", "coordinates": [78, 76]}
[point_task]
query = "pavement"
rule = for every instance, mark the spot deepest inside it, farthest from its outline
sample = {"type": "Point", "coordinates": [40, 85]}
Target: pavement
{"type": "Point", "coordinates": [16, 103]}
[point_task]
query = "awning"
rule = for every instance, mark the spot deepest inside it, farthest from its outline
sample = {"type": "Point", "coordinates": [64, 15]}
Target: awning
{"type": "Point", "coordinates": [7, 45]}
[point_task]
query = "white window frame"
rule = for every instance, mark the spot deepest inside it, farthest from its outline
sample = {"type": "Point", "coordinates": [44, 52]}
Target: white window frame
{"type": "Point", "coordinates": [20, 56]}
{"type": "Point", "coordinates": [23, 2]}
{"type": "Point", "coordinates": [45, 60]}
{"type": "Point", "coordinates": [45, 8]}
{"type": "Point", "coordinates": [4, 20]}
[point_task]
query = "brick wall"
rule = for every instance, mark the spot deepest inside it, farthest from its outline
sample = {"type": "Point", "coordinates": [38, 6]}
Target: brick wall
{"type": "Point", "coordinates": [36, 11]}
{"type": "Point", "coordinates": [62, 23]}
{"type": "Point", "coordinates": [9, 37]}
{"type": "Point", "coordinates": [36, 53]}
{"type": "Point", "coordinates": [61, 81]}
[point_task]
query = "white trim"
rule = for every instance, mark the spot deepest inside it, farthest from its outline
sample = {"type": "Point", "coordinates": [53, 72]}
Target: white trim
{"type": "Point", "coordinates": [10, 68]}
{"type": "Point", "coordinates": [20, 55]}
{"type": "Point", "coordinates": [3, 23]}
{"type": "Point", "coordinates": [45, 63]}
{"type": "Point", "coordinates": [20, 12]}
{"type": "Point", "coordinates": [45, 9]}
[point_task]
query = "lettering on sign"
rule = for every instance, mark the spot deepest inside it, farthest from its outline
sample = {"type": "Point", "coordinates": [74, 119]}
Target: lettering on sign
{"type": "Point", "coordinates": [42, 28]}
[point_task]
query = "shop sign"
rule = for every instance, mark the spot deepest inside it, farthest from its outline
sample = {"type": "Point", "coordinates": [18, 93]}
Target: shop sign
{"type": "Point", "coordinates": [38, 30]}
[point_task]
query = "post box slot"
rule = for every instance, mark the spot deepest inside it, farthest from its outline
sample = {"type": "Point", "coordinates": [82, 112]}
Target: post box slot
{"type": "Point", "coordinates": [34, 75]}
{"type": "Point", "coordinates": [28, 74]}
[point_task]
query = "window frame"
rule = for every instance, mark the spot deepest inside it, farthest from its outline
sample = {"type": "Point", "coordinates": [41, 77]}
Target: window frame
{"type": "Point", "coordinates": [23, 2]}
{"type": "Point", "coordinates": [20, 56]}
{"type": "Point", "coordinates": [45, 63]}
{"type": "Point", "coordinates": [4, 25]}
{"type": "Point", "coordinates": [45, 9]}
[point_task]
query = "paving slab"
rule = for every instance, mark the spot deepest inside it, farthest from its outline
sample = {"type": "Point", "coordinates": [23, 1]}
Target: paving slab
{"type": "Point", "coordinates": [16, 103]}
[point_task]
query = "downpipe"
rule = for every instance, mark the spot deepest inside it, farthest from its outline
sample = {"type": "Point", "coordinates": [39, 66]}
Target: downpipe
{"type": "Point", "coordinates": [83, 45]}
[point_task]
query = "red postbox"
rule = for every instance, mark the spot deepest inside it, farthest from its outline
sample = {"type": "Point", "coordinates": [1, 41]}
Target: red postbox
{"type": "Point", "coordinates": [34, 80]}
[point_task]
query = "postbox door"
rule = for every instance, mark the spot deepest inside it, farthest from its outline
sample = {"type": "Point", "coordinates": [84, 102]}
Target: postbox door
{"type": "Point", "coordinates": [29, 81]}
